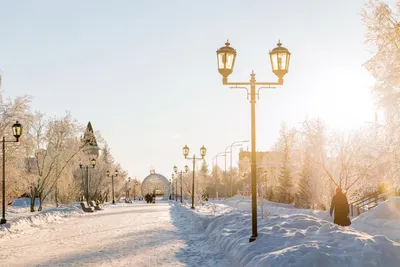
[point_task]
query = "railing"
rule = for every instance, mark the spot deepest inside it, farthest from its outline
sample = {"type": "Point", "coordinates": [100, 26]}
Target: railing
{"type": "Point", "coordinates": [364, 204]}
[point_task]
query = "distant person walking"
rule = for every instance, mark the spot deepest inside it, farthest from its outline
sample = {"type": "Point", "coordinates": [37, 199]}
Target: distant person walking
{"type": "Point", "coordinates": [340, 207]}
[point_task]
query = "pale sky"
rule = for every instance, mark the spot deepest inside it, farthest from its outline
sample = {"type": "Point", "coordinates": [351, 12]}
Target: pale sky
{"type": "Point", "coordinates": [145, 72]}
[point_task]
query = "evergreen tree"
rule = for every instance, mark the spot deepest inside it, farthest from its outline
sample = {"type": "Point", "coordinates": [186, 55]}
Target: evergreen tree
{"type": "Point", "coordinates": [285, 180]}
{"type": "Point", "coordinates": [204, 169]}
{"type": "Point", "coordinates": [106, 155]}
{"type": "Point", "coordinates": [304, 194]}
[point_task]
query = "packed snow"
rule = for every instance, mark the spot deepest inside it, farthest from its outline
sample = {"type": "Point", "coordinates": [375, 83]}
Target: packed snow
{"type": "Point", "coordinates": [291, 239]}
{"type": "Point", "coordinates": [266, 208]}
{"type": "Point", "coordinates": [213, 234]}
{"type": "Point", "coordinates": [381, 220]}
{"type": "Point", "coordinates": [136, 234]}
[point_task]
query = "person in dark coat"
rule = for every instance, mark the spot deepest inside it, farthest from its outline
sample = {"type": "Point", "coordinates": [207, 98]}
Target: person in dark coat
{"type": "Point", "coordinates": [340, 207]}
{"type": "Point", "coordinates": [147, 198]}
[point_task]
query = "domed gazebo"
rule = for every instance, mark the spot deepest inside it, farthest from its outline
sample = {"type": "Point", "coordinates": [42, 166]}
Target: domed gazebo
{"type": "Point", "coordinates": [156, 183]}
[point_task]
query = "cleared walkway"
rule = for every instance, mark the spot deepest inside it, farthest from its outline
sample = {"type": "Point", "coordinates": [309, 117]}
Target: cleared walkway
{"type": "Point", "coordinates": [121, 235]}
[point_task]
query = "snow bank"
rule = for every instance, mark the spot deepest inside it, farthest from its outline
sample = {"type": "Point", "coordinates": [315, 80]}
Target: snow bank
{"type": "Point", "coordinates": [384, 219]}
{"type": "Point", "coordinates": [21, 221]}
{"type": "Point", "coordinates": [272, 208]}
{"type": "Point", "coordinates": [294, 240]}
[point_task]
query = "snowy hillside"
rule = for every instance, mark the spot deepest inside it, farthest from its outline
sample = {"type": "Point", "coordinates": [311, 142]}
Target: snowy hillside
{"type": "Point", "coordinates": [381, 220]}
{"type": "Point", "coordinates": [294, 240]}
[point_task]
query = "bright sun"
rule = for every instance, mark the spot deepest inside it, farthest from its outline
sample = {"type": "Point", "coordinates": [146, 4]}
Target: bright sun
{"type": "Point", "coordinates": [347, 105]}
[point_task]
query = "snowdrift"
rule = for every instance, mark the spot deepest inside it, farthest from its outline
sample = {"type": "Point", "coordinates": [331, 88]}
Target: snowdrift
{"type": "Point", "coordinates": [384, 219]}
{"type": "Point", "coordinates": [295, 240]}
{"type": "Point", "coordinates": [19, 220]}
{"type": "Point", "coordinates": [272, 208]}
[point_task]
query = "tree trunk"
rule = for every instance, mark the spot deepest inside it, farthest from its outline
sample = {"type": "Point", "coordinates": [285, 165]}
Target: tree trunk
{"type": "Point", "coordinates": [32, 198]}
{"type": "Point", "coordinates": [56, 196]}
{"type": "Point", "coordinates": [40, 202]}
{"type": "Point", "coordinates": [33, 203]}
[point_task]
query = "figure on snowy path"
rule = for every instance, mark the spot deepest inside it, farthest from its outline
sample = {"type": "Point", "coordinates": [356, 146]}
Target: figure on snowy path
{"type": "Point", "coordinates": [341, 207]}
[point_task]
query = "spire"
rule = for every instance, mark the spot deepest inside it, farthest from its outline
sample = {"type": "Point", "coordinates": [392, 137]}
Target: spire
{"type": "Point", "coordinates": [89, 140]}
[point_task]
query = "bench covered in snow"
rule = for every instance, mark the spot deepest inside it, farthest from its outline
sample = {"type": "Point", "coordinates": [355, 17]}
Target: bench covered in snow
{"type": "Point", "coordinates": [86, 208]}
{"type": "Point", "coordinates": [96, 206]}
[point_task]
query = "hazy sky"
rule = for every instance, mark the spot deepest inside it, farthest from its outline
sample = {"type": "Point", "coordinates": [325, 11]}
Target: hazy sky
{"type": "Point", "coordinates": [145, 73]}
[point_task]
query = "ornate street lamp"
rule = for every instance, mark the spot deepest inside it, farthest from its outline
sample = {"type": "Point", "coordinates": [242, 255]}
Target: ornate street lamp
{"type": "Point", "coordinates": [180, 174]}
{"type": "Point", "coordinates": [203, 152]}
{"type": "Point", "coordinates": [185, 151]}
{"type": "Point", "coordinates": [93, 163]}
{"type": "Point", "coordinates": [17, 132]}
{"type": "Point", "coordinates": [279, 58]}
{"type": "Point", "coordinates": [226, 60]}
{"type": "Point", "coordinates": [112, 182]}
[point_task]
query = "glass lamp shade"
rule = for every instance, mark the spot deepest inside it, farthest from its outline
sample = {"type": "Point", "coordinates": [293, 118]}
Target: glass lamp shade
{"type": "Point", "coordinates": [186, 168]}
{"type": "Point", "coordinates": [280, 58]}
{"type": "Point", "coordinates": [93, 162]}
{"type": "Point", "coordinates": [17, 130]}
{"type": "Point", "coordinates": [185, 151]}
{"type": "Point", "coordinates": [203, 151]}
{"type": "Point", "coordinates": [108, 173]}
{"type": "Point", "coordinates": [226, 56]}
{"type": "Point", "coordinates": [175, 169]}
{"type": "Point", "coordinates": [116, 173]}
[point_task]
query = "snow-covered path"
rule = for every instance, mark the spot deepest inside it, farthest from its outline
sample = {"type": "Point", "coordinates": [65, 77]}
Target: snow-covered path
{"type": "Point", "coordinates": [122, 235]}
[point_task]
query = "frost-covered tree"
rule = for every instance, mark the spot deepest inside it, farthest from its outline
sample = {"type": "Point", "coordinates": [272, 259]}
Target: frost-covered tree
{"type": "Point", "coordinates": [285, 185]}
{"type": "Point", "coordinates": [12, 110]}
{"type": "Point", "coordinates": [383, 38]}
{"type": "Point", "coordinates": [203, 178]}
{"type": "Point", "coordinates": [303, 198]}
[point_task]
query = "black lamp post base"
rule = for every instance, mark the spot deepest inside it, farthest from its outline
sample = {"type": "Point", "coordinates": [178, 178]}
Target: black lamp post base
{"type": "Point", "coordinates": [192, 208]}
{"type": "Point", "coordinates": [113, 202]}
{"type": "Point", "coordinates": [252, 238]}
{"type": "Point", "coordinates": [3, 221]}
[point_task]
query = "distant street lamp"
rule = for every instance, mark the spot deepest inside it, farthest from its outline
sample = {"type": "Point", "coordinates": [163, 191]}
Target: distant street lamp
{"type": "Point", "coordinates": [17, 131]}
{"type": "Point", "coordinates": [203, 152]}
{"type": "Point", "coordinates": [236, 143]}
{"type": "Point", "coordinates": [135, 183]}
{"type": "Point", "coordinates": [93, 163]}
{"type": "Point", "coordinates": [128, 186]}
{"type": "Point", "coordinates": [172, 186]}
{"type": "Point", "coordinates": [280, 58]}
{"type": "Point", "coordinates": [112, 182]}
{"type": "Point", "coordinates": [220, 154]}
{"type": "Point", "coordinates": [180, 174]}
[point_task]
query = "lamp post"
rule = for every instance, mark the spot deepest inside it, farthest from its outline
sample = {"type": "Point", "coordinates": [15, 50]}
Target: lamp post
{"type": "Point", "coordinates": [172, 187]}
{"type": "Point", "coordinates": [203, 152]}
{"type": "Point", "coordinates": [112, 182]}
{"type": "Point", "coordinates": [176, 187]}
{"type": "Point", "coordinates": [180, 174]}
{"type": "Point", "coordinates": [93, 163]}
{"type": "Point", "coordinates": [17, 131]}
{"type": "Point", "coordinates": [128, 187]}
{"type": "Point", "coordinates": [171, 197]}
{"type": "Point", "coordinates": [279, 58]}
{"type": "Point", "coordinates": [134, 189]}
{"type": "Point", "coordinates": [236, 143]}
{"type": "Point", "coordinates": [220, 154]}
